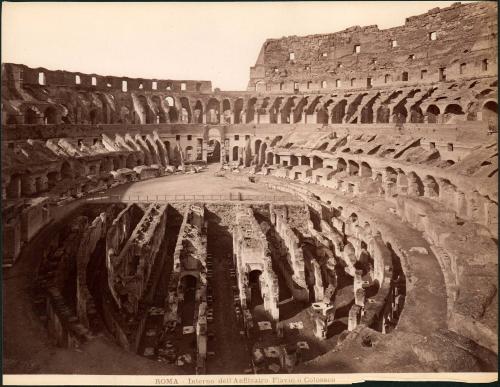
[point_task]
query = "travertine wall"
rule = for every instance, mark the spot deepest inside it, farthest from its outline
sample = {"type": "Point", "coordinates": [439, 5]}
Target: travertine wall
{"type": "Point", "coordinates": [464, 46]}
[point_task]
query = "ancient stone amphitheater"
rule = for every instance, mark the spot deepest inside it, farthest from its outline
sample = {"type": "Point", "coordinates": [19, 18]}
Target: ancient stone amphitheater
{"type": "Point", "coordinates": [340, 215]}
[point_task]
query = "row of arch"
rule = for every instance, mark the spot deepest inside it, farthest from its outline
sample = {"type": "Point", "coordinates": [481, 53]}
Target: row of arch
{"type": "Point", "coordinates": [360, 108]}
{"type": "Point", "coordinates": [401, 180]}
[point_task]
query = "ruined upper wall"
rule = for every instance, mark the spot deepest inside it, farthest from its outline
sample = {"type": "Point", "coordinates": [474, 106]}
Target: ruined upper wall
{"type": "Point", "coordinates": [22, 75]}
{"type": "Point", "coordinates": [461, 40]}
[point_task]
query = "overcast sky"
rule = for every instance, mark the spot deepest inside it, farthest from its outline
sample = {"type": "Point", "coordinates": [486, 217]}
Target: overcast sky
{"type": "Point", "coordinates": [204, 41]}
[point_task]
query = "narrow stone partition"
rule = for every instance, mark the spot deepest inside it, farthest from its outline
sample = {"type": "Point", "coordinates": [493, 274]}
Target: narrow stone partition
{"type": "Point", "coordinates": [186, 303]}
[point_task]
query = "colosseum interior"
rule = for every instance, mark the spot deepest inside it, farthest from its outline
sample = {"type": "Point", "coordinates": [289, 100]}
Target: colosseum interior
{"type": "Point", "coordinates": [339, 215]}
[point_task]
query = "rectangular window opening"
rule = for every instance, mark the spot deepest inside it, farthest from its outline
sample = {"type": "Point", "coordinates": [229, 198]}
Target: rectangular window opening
{"type": "Point", "coordinates": [41, 78]}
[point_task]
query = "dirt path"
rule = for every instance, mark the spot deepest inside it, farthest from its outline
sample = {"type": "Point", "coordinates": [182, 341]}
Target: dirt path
{"type": "Point", "coordinates": [231, 354]}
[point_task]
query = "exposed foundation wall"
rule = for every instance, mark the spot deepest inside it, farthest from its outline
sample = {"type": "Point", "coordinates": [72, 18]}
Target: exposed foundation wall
{"type": "Point", "coordinates": [466, 261]}
{"type": "Point", "coordinates": [172, 300]}
{"type": "Point", "coordinates": [130, 268]}
{"type": "Point", "coordinates": [251, 253]}
{"type": "Point", "coordinates": [294, 255]}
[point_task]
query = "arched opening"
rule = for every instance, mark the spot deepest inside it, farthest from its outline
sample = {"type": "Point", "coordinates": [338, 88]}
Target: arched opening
{"type": "Point", "coordinates": [255, 288]}
{"type": "Point", "coordinates": [13, 189]}
{"type": "Point", "coordinates": [262, 155]}
{"type": "Point", "coordinates": [50, 115]}
{"type": "Point", "coordinates": [415, 185]}
{"type": "Point", "coordinates": [367, 114]}
{"type": "Point", "coordinates": [317, 162]}
{"type": "Point", "coordinates": [226, 111]}
{"type": "Point", "coordinates": [152, 150]}
{"type": "Point", "coordinates": [286, 110]}
{"type": "Point", "coordinates": [490, 114]}
{"type": "Point", "coordinates": [176, 155]}
{"type": "Point", "coordinates": [185, 110]}
{"type": "Point", "coordinates": [213, 109]}
{"type": "Point", "coordinates": [30, 116]}
{"type": "Point", "coordinates": [391, 175]}
{"type": "Point", "coordinates": [116, 163]}
{"type": "Point", "coordinates": [452, 111]}
{"type": "Point", "coordinates": [213, 151]}
{"type": "Point", "coordinates": [107, 113]}
{"type": "Point", "coordinates": [130, 161]}
{"type": "Point", "coordinates": [65, 116]}
{"type": "Point", "coordinates": [238, 110]}
{"type": "Point", "coordinates": [250, 113]}
{"type": "Point", "coordinates": [299, 109]}
{"type": "Point", "coordinates": [353, 168]}
{"type": "Point", "coordinates": [124, 115]}
{"type": "Point", "coordinates": [93, 115]}
{"type": "Point", "coordinates": [294, 160]}
{"type": "Point", "coordinates": [431, 187]}
{"type": "Point", "coordinates": [304, 160]}
{"type": "Point", "coordinates": [39, 185]}
{"type": "Point", "coordinates": [270, 158]}
{"type": "Point", "coordinates": [274, 110]}
{"type": "Point", "coordinates": [341, 165]}
{"type": "Point", "coordinates": [145, 114]}
{"type": "Point", "coordinates": [106, 165]}
{"type": "Point", "coordinates": [160, 113]}
{"type": "Point", "coordinates": [432, 114]}
{"type": "Point", "coordinates": [366, 170]}
{"type": "Point", "coordinates": [416, 115]}
{"type": "Point", "coordinates": [52, 178]}
{"type": "Point", "coordinates": [383, 114]}
{"type": "Point", "coordinates": [198, 112]}
{"type": "Point", "coordinates": [235, 153]}
{"type": "Point", "coordinates": [161, 153]}
{"type": "Point", "coordinates": [322, 116]}
{"type": "Point", "coordinates": [189, 153]}
{"type": "Point", "coordinates": [257, 147]}
{"type": "Point", "coordinates": [173, 114]}
{"type": "Point", "coordinates": [167, 149]}
{"type": "Point", "coordinates": [338, 112]}
{"type": "Point", "coordinates": [399, 114]}
{"type": "Point", "coordinates": [184, 118]}
{"type": "Point", "coordinates": [66, 171]}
